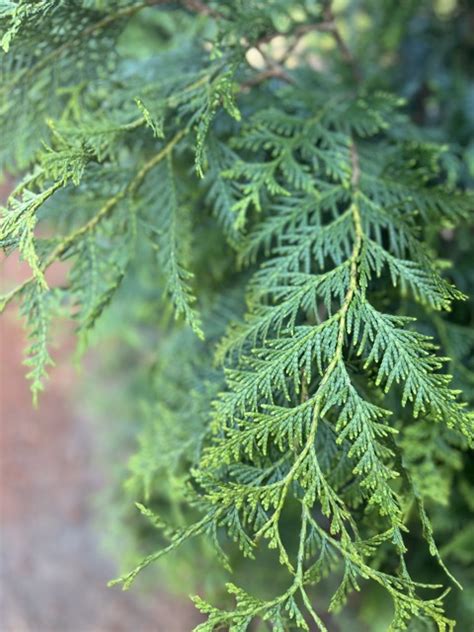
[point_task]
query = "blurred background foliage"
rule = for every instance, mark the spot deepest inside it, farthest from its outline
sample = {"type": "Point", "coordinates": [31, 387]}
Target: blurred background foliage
{"type": "Point", "coordinates": [421, 49]}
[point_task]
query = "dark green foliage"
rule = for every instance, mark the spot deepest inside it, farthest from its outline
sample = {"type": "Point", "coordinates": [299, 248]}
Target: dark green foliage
{"type": "Point", "coordinates": [287, 199]}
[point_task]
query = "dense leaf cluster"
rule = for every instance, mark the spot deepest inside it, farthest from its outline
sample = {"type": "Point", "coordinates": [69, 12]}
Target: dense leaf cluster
{"type": "Point", "coordinates": [238, 164]}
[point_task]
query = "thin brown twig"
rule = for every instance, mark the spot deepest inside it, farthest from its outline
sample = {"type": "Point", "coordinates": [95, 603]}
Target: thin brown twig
{"type": "Point", "coordinates": [327, 26]}
{"type": "Point", "coordinates": [300, 32]}
{"type": "Point", "coordinates": [200, 7]}
{"type": "Point", "coordinates": [346, 54]}
{"type": "Point", "coordinates": [275, 65]}
{"type": "Point", "coordinates": [268, 73]}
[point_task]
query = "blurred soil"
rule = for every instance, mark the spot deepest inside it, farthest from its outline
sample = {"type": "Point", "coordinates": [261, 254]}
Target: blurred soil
{"type": "Point", "coordinates": [53, 573]}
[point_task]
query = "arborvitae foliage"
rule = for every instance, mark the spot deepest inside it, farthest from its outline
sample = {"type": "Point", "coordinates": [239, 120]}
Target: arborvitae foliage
{"type": "Point", "coordinates": [245, 164]}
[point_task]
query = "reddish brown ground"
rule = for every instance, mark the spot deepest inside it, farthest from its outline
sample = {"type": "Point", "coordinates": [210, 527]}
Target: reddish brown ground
{"type": "Point", "coordinates": [53, 573]}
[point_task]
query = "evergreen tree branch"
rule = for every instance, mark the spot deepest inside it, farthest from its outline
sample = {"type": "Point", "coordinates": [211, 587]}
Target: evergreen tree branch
{"type": "Point", "coordinates": [89, 31]}
{"type": "Point", "coordinates": [90, 225]}
{"type": "Point", "coordinates": [327, 425]}
{"type": "Point", "coordinates": [341, 316]}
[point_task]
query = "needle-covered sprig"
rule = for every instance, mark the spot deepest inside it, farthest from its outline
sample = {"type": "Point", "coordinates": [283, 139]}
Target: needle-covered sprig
{"type": "Point", "coordinates": [285, 212]}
